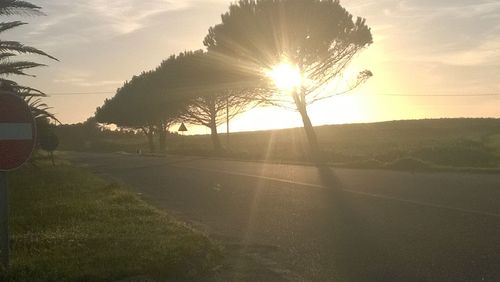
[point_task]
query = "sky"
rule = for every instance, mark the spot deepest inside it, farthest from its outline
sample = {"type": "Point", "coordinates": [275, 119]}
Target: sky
{"type": "Point", "coordinates": [423, 50]}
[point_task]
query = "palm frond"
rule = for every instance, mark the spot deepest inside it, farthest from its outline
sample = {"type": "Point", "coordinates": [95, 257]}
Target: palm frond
{"type": "Point", "coordinates": [18, 67]}
{"type": "Point", "coordinates": [9, 25]}
{"type": "Point", "coordinates": [14, 46]}
{"type": "Point", "coordinates": [16, 7]}
{"type": "Point", "coordinates": [23, 91]}
{"type": "Point", "coordinates": [9, 49]}
{"type": "Point", "coordinates": [6, 55]}
{"type": "Point", "coordinates": [29, 91]}
{"type": "Point", "coordinates": [40, 109]}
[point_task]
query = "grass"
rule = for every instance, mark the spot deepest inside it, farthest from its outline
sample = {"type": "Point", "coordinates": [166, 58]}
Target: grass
{"type": "Point", "coordinates": [67, 224]}
{"type": "Point", "coordinates": [408, 164]}
{"type": "Point", "coordinates": [449, 143]}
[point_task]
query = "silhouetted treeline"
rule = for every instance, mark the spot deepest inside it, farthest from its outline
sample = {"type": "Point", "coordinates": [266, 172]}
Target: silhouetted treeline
{"type": "Point", "coordinates": [90, 136]}
{"type": "Point", "coordinates": [208, 88]}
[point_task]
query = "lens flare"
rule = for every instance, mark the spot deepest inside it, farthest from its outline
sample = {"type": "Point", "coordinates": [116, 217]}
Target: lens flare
{"type": "Point", "coordinates": [286, 77]}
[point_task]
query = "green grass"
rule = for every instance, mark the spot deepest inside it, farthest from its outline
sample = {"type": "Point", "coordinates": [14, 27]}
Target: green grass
{"type": "Point", "coordinates": [70, 225]}
{"type": "Point", "coordinates": [451, 143]}
{"type": "Point", "coordinates": [439, 144]}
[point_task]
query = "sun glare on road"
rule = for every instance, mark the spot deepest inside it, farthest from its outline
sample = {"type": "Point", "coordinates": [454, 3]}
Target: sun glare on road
{"type": "Point", "coordinates": [287, 77]}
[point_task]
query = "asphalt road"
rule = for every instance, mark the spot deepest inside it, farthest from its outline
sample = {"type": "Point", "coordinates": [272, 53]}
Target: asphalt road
{"type": "Point", "coordinates": [302, 223]}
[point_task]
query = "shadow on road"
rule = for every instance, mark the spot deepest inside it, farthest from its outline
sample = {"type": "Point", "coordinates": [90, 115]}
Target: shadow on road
{"type": "Point", "coordinates": [352, 250]}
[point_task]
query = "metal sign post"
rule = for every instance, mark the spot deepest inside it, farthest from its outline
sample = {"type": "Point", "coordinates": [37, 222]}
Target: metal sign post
{"type": "Point", "coordinates": [227, 122]}
{"type": "Point", "coordinates": [17, 142]}
{"type": "Point", "coordinates": [4, 220]}
{"type": "Point", "coordinates": [182, 129]}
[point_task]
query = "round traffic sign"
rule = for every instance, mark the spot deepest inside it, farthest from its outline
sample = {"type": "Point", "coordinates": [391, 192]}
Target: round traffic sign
{"type": "Point", "coordinates": [17, 131]}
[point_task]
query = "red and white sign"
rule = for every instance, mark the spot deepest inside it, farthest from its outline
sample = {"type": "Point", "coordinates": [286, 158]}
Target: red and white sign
{"type": "Point", "coordinates": [17, 132]}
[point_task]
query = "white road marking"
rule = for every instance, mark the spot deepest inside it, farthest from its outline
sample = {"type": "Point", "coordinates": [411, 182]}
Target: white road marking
{"type": "Point", "coordinates": [318, 186]}
{"type": "Point", "coordinates": [16, 131]}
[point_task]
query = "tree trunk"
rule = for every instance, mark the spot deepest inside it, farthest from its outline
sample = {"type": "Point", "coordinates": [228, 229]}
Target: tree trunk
{"type": "Point", "coordinates": [52, 158]}
{"type": "Point", "coordinates": [310, 134]}
{"type": "Point", "coordinates": [151, 142]}
{"type": "Point", "coordinates": [213, 126]}
{"type": "Point", "coordinates": [161, 137]}
{"type": "Point", "coordinates": [215, 137]}
{"type": "Point", "coordinates": [148, 131]}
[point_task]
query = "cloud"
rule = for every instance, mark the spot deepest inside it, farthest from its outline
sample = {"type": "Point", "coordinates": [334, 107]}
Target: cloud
{"type": "Point", "coordinates": [459, 8]}
{"type": "Point", "coordinates": [484, 54]}
{"type": "Point", "coordinates": [84, 82]}
{"type": "Point", "coordinates": [455, 32]}
{"type": "Point", "coordinates": [125, 16]}
{"type": "Point", "coordinates": [75, 22]}
{"type": "Point", "coordinates": [50, 22]}
{"type": "Point", "coordinates": [79, 78]}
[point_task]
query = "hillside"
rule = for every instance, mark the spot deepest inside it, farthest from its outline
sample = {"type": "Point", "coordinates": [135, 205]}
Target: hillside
{"type": "Point", "coordinates": [446, 142]}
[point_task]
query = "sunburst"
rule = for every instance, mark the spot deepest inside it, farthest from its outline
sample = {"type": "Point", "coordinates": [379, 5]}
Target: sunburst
{"type": "Point", "coordinates": [286, 77]}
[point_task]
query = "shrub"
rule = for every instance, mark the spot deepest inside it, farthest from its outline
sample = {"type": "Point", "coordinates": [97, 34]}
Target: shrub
{"type": "Point", "coordinates": [461, 153]}
{"type": "Point", "coordinates": [408, 164]}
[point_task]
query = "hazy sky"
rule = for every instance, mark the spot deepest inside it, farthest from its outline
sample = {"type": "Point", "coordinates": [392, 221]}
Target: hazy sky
{"type": "Point", "coordinates": [421, 47]}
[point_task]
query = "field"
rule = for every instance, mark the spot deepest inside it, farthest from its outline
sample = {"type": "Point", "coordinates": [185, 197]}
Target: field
{"type": "Point", "coordinates": [69, 225]}
{"type": "Point", "coordinates": [458, 143]}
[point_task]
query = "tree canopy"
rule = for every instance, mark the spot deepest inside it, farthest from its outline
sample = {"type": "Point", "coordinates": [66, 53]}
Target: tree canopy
{"type": "Point", "coordinates": [214, 91]}
{"type": "Point", "coordinates": [193, 86]}
{"type": "Point", "coordinates": [137, 104]}
{"type": "Point", "coordinates": [318, 37]}
{"type": "Point", "coordinates": [153, 100]}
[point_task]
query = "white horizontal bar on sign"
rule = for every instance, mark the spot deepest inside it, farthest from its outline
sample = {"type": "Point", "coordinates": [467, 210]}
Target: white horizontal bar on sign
{"type": "Point", "coordinates": [16, 131]}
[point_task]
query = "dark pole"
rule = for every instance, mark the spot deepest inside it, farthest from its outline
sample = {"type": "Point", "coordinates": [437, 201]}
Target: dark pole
{"type": "Point", "coordinates": [4, 220]}
{"type": "Point", "coordinates": [227, 122]}
{"type": "Point", "coordinates": [182, 137]}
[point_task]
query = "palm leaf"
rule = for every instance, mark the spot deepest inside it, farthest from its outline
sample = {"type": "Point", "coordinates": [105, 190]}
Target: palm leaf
{"type": "Point", "coordinates": [4, 56]}
{"type": "Point", "coordinates": [14, 46]}
{"type": "Point", "coordinates": [16, 7]}
{"type": "Point", "coordinates": [8, 25]}
{"type": "Point", "coordinates": [40, 109]}
{"type": "Point", "coordinates": [10, 49]}
{"type": "Point", "coordinates": [18, 67]}
{"type": "Point", "coordinates": [23, 91]}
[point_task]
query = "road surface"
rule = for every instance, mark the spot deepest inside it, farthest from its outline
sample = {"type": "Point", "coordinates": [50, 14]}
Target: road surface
{"type": "Point", "coordinates": [303, 223]}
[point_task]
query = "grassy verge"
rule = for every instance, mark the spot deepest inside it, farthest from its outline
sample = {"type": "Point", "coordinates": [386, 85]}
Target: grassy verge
{"type": "Point", "coordinates": [434, 145]}
{"type": "Point", "coordinates": [69, 225]}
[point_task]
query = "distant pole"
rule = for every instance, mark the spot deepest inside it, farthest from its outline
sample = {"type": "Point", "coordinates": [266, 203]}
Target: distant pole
{"type": "Point", "coordinates": [4, 220]}
{"type": "Point", "coordinates": [182, 129]}
{"type": "Point", "coordinates": [227, 122]}
{"type": "Point", "coordinates": [182, 137]}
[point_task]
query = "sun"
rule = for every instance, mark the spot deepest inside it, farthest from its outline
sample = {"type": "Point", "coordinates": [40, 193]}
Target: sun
{"type": "Point", "coordinates": [286, 77]}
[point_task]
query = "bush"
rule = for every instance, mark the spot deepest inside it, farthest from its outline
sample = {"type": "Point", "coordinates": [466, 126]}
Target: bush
{"type": "Point", "coordinates": [391, 155]}
{"type": "Point", "coordinates": [365, 164]}
{"type": "Point", "coordinates": [461, 153]}
{"type": "Point", "coordinates": [408, 164]}
{"type": "Point", "coordinates": [340, 157]}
